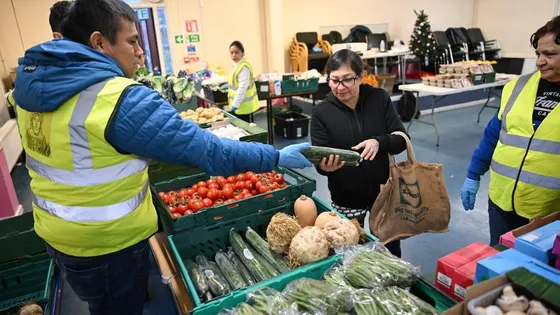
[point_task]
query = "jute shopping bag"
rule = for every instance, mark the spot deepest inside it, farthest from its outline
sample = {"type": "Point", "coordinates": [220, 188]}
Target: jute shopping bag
{"type": "Point", "coordinates": [413, 201]}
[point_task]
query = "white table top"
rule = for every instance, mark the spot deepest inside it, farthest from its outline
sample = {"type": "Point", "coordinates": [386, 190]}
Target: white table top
{"type": "Point", "coordinates": [435, 90]}
{"type": "Point", "coordinates": [390, 53]}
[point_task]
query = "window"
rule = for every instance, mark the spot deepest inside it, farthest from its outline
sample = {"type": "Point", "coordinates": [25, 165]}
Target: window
{"type": "Point", "coordinates": [162, 19]}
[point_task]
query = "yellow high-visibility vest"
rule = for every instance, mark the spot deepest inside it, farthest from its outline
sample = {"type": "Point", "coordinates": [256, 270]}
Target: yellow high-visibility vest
{"type": "Point", "coordinates": [88, 199]}
{"type": "Point", "coordinates": [525, 169]}
{"type": "Point", "coordinates": [250, 103]}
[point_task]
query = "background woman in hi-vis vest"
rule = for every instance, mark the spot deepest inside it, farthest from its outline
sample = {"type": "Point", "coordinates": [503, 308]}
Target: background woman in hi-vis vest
{"type": "Point", "coordinates": [242, 93]}
{"type": "Point", "coordinates": [521, 144]}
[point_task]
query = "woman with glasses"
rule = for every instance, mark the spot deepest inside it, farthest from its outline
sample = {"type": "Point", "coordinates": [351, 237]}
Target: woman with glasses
{"type": "Point", "coordinates": [356, 116]}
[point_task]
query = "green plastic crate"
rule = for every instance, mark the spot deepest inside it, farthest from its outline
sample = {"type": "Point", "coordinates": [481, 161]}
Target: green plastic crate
{"type": "Point", "coordinates": [298, 185]}
{"type": "Point", "coordinates": [26, 270]}
{"type": "Point", "coordinates": [208, 241]}
{"type": "Point", "coordinates": [477, 78]}
{"type": "Point", "coordinates": [490, 77]}
{"type": "Point", "coordinates": [432, 295]}
{"type": "Point", "coordinates": [299, 86]}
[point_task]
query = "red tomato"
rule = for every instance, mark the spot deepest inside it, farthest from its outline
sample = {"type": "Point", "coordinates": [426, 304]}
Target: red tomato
{"type": "Point", "coordinates": [263, 189]}
{"type": "Point", "coordinates": [240, 177]}
{"type": "Point", "coordinates": [248, 184]}
{"type": "Point", "coordinates": [221, 181]}
{"type": "Point", "coordinates": [165, 198]}
{"type": "Point", "coordinates": [211, 181]}
{"type": "Point", "coordinates": [245, 190]}
{"type": "Point", "coordinates": [181, 209]}
{"type": "Point", "coordinates": [254, 179]}
{"type": "Point", "coordinates": [258, 185]}
{"type": "Point", "coordinates": [226, 193]}
{"type": "Point", "coordinates": [273, 186]}
{"type": "Point", "coordinates": [238, 197]}
{"type": "Point", "coordinates": [188, 212]}
{"type": "Point", "coordinates": [172, 200]}
{"type": "Point", "coordinates": [202, 191]}
{"type": "Point", "coordinates": [172, 193]}
{"type": "Point", "coordinates": [161, 194]}
{"type": "Point", "coordinates": [254, 192]}
{"type": "Point", "coordinates": [182, 193]}
{"type": "Point", "coordinates": [213, 186]}
{"type": "Point", "coordinates": [249, 174]}
{"type": "Point", "coordinates": [217, 178]}
{"type": "Point", "coordinates": [279, 178]}
{"type": "Point", "coordinates": [176, 215]}
{"type": "Point", "coordinates": [247, 195]}
{"type": "Point", "coordinates": [229, 185]}
{"type": "Point", "coordinates": [190, 192]}
{"type": "Point", "coordinates": [213, 194]}
{"type": "Point", "coordinates": [273, 173]}
{"type": "Point", "coordinates": [229, 200]}
{"type": "Point", "coordinates": [194, 187]}
{"type": "Point", "coordinates": [207, 202]}
{"type": "Point", "coordinates": [196, 206]}
{"type": "Point", "coordinates": [171, 209]}
{"type": "Point", "coordinates": [231, 179]}
{"type": "Point", "coordinates": [201, 184]}
{"type": "Point", "coordinates": [240, 185]}
{"type": "Point", "coordinates": [218, 202]}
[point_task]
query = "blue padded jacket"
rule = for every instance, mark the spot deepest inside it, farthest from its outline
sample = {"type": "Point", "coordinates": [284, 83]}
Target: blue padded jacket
{"type": "Point", "coordinates": [143, 123]}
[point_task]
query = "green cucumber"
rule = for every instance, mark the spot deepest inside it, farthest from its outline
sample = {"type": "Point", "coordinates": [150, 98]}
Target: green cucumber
{"type": "Point", "coordinates": [234, 278]}
{"type": "Point", "coordinates": [217, 283]}
{"type": "Point", "coordinates": [241, 267]}
{"type": "Point", "coordinates": [261, 246]}
{"type": "Point", "coordinates": [197, 277]}
{"type": "Point", "coordinates": [315, 154]}
{"type": "Point", "coordinates": [247, 256]}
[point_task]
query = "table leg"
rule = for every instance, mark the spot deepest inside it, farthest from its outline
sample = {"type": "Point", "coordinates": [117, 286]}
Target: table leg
{"type": "Point", "coordinates": [432, 123]}
{"type": "Point", "coordinates": [269, 121]}
{"type": "Point", "coordinates": [384, 65]}
{"type": "Point", "coordinates": [484, 106]}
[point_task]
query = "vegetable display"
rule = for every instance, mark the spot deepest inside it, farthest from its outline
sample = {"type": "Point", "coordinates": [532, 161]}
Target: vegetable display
{"type": "Point", "coordinates": [229, 132]}
{"type": "Point", "coordinates": [220, 190]}
{"type": "Point", "coordinates": [234, 278]}
{"type": "Point", "coordinates": [341, 233]}
{"type": "Point", "coordinates": [315, 154]}
{"type": "Point", "coordinates": [217, 284]}
{"type": "Point", "coordinates": [175, 89]}
{"type": "Point", "coordinates": [203, 115]}
{"type": "Point", "coordinates": [305, 211]}
{"type": "Point", "coordinates": [309, 245]}
{"type": "Point", "coordinates": [280, 232]}
{"type": "Point", "coordinates": [509, 303]}
{"type": "Point", "coordinates": [325, 218]}
{"type": "Point", "coordinates": [249, 257]}
{"type": "Point", "coordinates": [262, 248]}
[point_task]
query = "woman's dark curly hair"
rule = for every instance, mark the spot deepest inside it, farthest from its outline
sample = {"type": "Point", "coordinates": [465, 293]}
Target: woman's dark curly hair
{"type": "Point", "coordinates": [552, 27]}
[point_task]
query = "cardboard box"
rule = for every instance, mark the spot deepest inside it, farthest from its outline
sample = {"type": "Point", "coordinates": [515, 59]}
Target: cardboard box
{"type": "Point", "coordinates": [447, 265]}
{"type": "Point", "coordinates": [510, 259]}
{"type": "Point", "coordinates": [170, 273]}
{"type": "Point", "coordinates": [509, 238]}
{"type": "Point", "coordinates": [464, 276]}
{"type": "Point", "coordinates": [538, 243]}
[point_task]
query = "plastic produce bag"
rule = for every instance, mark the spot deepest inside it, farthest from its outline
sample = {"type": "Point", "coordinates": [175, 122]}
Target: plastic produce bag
{"type": "Point", "coordinates": [372, 266]}
{"type": "Point", "coordinates": [335, 276]}
{"type": "Point", "coordinates": [319, 297]}
{"type": "Point", "coordinates": [391, 300]}
{"type": "Point", "coordinates": [271, 302]}
{"type": "Point", "coordinates": [217, 283]}
{"type": "Point", "coordinates": [241, 309]}
{"type": "Point", "coordinates": [198, 278]}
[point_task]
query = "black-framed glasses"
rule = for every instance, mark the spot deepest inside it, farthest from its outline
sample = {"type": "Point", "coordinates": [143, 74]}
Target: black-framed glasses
{"type": "Point", "coordinates": [348, 82]}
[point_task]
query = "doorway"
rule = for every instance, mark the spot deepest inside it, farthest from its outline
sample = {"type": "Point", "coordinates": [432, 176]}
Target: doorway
{"type": "Point", "coordinates": [148, 39]}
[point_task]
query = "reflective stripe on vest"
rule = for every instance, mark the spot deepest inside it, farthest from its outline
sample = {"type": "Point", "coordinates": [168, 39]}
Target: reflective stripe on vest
{"type": "Point", "coordinates": [521, 142]}
{"type": "Point", "coordinates": [235, 87]}
{"type": "Point", "coordinates": [84, 174]}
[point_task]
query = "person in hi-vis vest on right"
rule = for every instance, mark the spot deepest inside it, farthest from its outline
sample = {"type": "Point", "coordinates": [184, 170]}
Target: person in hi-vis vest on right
{"type": "Point", "coordinates": [242, 93]}
{"type": "Point", "coordinates": [521, 144]}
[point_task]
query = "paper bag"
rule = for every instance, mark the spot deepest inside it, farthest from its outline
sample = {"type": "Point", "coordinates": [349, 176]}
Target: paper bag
{"type": "Point", "coordinates": [413, 201]}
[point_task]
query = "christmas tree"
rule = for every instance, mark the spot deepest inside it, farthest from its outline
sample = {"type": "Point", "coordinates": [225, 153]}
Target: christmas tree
{"type": "Point", "coordinates": [422, 42]}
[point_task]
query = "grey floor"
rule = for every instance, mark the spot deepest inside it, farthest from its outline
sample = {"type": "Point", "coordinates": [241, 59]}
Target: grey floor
{"type": "Point", "coordinates": [459, 133]}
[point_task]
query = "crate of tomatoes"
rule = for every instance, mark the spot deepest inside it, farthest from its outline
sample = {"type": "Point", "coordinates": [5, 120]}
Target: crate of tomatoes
{"type": "Point", "coordinates": [190, 202]}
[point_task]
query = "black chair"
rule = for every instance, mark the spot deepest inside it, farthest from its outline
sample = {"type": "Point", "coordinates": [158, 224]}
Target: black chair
{"type": "Point", "coordinates": [332, 37]}
{"type": "Point", "coordinates": [316, 60]}
{"type": "Point", "coordinates": [489, 49]}
{"type": "Point", "coordinates": [459, 36]}
{"type": "Point", "coordinates": [450, 52]}
{"type": "Point", "coordinates": [509, 65]}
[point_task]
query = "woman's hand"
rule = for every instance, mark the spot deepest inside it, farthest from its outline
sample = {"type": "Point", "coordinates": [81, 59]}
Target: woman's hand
{"type": "Point", "coordinates": [331, 164]}
{"type": "Point", "coordinates": [370, 146]}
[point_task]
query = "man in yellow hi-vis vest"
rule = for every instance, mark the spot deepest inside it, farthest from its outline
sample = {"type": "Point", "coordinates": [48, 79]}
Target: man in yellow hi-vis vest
{"type": "Point", "coordinates": [521, 144]}
{"type": "Point", "coordinates": [242, 93]}
{"type": "Point", "coordinates": [88, 132]}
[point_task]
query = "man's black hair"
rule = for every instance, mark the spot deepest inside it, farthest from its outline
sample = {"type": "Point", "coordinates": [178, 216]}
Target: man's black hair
{"type": "Point", "coordinates": [345, 57]}
{"type": "Point", "coordinates": [59, 11]}
{"type": "Point", "coordinates": [551, 27]}
{"type": "Point", "coordinates": [88, 16]}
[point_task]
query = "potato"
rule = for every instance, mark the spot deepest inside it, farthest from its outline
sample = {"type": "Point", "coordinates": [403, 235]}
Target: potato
{"type": "Point", "coordinates": [200, 110]}
{"type": "Point", "coordinates": [216, 110]}
{"type": "Point", "coordinates": [202, 120]}
{"type": "Point", "coordinates": [207, 113]}
{"type": "Point", "coordinates": [183, 114]}
{"type": "Point", "coordinates": [190, 112]}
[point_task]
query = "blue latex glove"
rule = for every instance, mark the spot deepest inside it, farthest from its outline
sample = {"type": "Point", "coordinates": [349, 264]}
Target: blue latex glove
{"type": "Point", "coordinates": [291, 156]}
{"type": "Point", "coordinates": [234, 108]}
{"type": "Point", "coordinates": [468, 193]}
{"type": "Point", "coordinates": [224, 86]}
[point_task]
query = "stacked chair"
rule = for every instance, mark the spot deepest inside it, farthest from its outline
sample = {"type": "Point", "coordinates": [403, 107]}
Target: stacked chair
{"type": "Point", "coordinates": [302, 56]}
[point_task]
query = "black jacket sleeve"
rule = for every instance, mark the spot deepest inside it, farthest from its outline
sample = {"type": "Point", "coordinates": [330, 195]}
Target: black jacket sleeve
{"type": "Point", "coordinates": [393, 144]}
{"type": "Point", "coordinates": [319, 134]}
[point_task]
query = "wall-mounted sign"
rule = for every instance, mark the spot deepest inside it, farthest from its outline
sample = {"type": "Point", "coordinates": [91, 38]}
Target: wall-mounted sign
{"type": "Point", "coordinates": [191, 26]}
{"type": "Point", "coordinates": [143, 14]}
{"type": "Point", "coordinates": [179, 39]}
{"type": "Point", "coordinates": [194, 38]}
{"type": "Point", "coordinates": [191, 48]}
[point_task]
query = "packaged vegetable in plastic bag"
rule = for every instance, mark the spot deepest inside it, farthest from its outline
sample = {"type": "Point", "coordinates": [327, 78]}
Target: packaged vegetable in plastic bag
{"type": "Point", "coordinates": [318, 297]}
{"type": "Point", "coordinates": [371, 266]}
{"type": "Point", "coordinates": [271, 302]}
{"type": "Point", "coordinates": [391, 300]}
{"type": "Point", "coordinates": [217, 283]}
{"type": "Point", "coordinates": [241, 309]}
{"type": "Point", "coordinates": [335, 276]}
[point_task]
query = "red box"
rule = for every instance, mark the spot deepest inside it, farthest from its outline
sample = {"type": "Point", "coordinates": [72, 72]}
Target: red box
{"type": "Point", "coordinates": [447, 265]}
{"type": "Point", "coordinates": [464, 276]}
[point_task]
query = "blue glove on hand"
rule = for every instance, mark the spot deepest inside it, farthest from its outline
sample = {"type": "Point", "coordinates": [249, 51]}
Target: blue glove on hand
{"type": "Point", "coordinates": [468, 193]}
{"type": "Point", "coordinates": [234, 108]}
{"type": "Point", "coordinates": [291, 156]}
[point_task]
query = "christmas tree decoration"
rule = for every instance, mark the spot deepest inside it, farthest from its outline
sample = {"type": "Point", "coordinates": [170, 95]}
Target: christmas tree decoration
{"type": "Point", "coordinates": [422, 42]}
